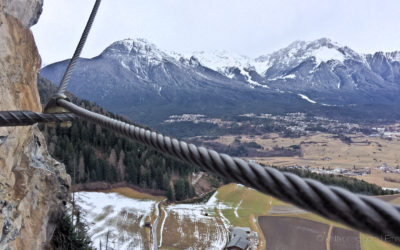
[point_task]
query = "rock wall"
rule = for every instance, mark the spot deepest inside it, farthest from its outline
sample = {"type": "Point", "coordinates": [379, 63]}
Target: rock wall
{"type": "Point", "coordinates": [33, 186]}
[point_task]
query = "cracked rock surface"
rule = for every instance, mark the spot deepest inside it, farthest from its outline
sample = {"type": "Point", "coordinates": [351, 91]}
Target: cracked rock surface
{"type": "Point", "coordinates": [33, 186]}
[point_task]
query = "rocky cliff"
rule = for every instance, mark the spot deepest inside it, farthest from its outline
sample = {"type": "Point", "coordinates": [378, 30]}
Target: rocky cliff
{"type": "Point", "coordinates": [33, 186]}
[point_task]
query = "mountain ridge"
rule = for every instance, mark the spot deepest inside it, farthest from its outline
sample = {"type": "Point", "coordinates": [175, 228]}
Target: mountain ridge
{"type": "Point", "coordinates": [133, 76]}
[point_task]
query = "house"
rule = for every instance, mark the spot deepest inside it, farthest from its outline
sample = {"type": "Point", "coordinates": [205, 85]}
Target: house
{"type": "Point", "coordinates": [239, 238]}
{"type": "Point", "coordinates": [238, 243]}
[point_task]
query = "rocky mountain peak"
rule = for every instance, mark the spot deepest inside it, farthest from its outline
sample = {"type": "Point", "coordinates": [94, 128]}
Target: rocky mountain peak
{"type": "Point", "coordinates": [319, 51]}
{"type": "Point", "coordinates": [134, 47]}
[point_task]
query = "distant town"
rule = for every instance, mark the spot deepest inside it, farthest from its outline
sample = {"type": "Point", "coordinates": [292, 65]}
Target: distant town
{"type": "Point", "coordinates": [293, 124]}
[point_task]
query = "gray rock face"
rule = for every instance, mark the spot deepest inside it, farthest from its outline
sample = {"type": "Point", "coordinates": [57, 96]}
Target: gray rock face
{"type": "Point", "coordinates": [33, 186]}
{"type": "Point", "coordinates": [26, 11]}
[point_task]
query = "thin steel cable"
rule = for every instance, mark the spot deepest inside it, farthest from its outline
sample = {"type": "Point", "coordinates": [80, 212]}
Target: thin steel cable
{"type": "Point", "coordinates": [67, 75]}
{"type": "Point", "coordinates": [363, 213]}
{"type": "Point", "coordinates": [24, 118]}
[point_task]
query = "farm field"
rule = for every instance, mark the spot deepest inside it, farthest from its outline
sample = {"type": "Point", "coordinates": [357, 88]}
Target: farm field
{"type": "Point", "coordinates": [121, 213]}
{"type": "Point", "coordinates": [293, 233]}
{"type": "Point", "coordinates": [116, 220]}
{"type": "Point", "coordinates": [117, 216]}
{"type": "Point", "coordinates": [343, 239]}
{"type": "Point", "coordinates": [325, 150]}
{"type": "Point", "coordinates": [191, 226]}
{"type": "Point", "coordinates": [245, 207]}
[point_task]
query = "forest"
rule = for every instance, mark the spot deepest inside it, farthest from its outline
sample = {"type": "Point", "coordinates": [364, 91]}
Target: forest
{"type": "Point", "coordinates": [92, 154]}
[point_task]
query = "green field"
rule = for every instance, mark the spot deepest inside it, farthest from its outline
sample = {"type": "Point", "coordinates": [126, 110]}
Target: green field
{"type": "Point", "coordinates": [249, 204]}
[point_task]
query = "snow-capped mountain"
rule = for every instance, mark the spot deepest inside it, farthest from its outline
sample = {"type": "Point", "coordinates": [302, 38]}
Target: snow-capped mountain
{"type": "Point", "coordinates": [132, 74]}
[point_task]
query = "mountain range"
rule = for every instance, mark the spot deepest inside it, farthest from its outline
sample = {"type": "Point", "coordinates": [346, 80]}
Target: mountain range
{"type": "Point", "coordinates": [135, 78]}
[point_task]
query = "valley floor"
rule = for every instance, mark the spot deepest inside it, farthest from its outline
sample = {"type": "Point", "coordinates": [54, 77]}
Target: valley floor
{"type": "Point", "coordinates": [370, 158]}
{"type": "Point", "coordinates": [119, 217]}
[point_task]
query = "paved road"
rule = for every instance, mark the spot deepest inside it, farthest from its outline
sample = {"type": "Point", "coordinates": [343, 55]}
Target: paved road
{"type": "Point", "coordinates": [154, 228]}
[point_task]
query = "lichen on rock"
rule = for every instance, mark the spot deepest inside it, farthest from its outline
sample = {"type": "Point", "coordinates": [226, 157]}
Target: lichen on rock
{"type": "Point", "coordinates": [33, 186]}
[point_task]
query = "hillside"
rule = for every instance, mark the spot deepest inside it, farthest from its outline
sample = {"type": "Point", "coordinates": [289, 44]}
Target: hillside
{"type": "Point", "coordinates": [96, 157]}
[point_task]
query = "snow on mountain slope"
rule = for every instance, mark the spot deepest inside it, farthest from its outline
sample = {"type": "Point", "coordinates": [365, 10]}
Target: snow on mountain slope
{"type": "Point", "coordinates": [393, 56]}
{"type": "Point", "coordinates": [220, 60]}
{"type": "Point", "coordinates": [324, 54]}
{"type": "Point", "coordinates": [306, 98]}
{"type": "Point", "coordinates": [132, 52]}
{"type": "Point", "coordinates": [224, 61]}
{"type": "Point", "coordinates": [316, 52]}
{"type": "Point", "coordinates": [136, 72]}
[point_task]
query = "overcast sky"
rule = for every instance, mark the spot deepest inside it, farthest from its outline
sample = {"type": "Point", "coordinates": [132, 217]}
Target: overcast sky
{"type": "Point", "coordinates": [247, 27]}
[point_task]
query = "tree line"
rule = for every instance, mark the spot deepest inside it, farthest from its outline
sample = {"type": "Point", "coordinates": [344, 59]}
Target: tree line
{"type": "Point", "coordinates": [91, 153]}
{"type": "Point", "coordinates": [352, 184]}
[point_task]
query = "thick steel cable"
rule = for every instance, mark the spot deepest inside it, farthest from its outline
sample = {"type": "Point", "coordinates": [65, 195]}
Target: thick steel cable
{"type": "Point", "coordinates": [67, 75]}
{"type": "Point", "coordinates": [24, 118]}
{"type": "Point", "coordinates": [363, 213]}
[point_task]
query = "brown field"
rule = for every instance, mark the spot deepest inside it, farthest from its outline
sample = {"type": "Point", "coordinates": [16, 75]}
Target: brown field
{"type": "Point", "coordinates": [289, 209]}
{"type": "Point", "coordinates": [192, 229]}
{"type": "Point", "coordinates": [378, 178]}
{"type": "Point", "coordinates": [324, 150]}
{"type": "Point", "coordinates": [343, 239]}
{"type": "Point", "coordinates": [293, 233]}
{"type": "Point", "coordinates": [389, 198]}
{"type": "Point", "coordinates": [132, 193]}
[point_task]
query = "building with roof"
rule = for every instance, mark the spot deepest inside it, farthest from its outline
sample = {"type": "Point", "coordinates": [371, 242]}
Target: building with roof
{"type": "Point", "coordinates": [240, 238]}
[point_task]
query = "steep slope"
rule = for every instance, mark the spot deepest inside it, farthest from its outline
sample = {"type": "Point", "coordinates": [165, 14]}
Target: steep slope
{"type": "Point", "coordinates": [335, 74]}
{"type": "Point", "coordinates": [327, 71]}
{"type": "Point", "coordinates": [98, 158]}
{"type": "Point", "coordinates": [33, 186]}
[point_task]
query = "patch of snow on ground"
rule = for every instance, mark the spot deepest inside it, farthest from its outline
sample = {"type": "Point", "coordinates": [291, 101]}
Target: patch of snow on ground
{"type": "Point", "coordinates": [210, 230]}
{"type": "Point", "coordinates": [306, 98]}
{"type": "Point", "coordinates": [105, 212]}
{"type": "Point", "coordinates": [219, 205]}
{"type": "Point", "coordinates": [236, 209]}
{"type": "Point", "coordinates": [162, 226]}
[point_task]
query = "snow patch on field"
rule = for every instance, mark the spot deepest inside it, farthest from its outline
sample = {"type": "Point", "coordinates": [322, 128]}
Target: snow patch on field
{"type": "Point", "coordinates": [116, 215]}
{"type": "Point", "coordinates": [199, 225]}
{"type": "Point", "coordinates": [162, 226]}
{"type": "Point", "coordinates": [193, 226]}
{"type": "Point", "coordinates": [236, 208]}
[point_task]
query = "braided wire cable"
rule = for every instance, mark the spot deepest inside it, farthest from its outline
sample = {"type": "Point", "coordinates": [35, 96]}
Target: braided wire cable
{"type": "Point", "coordinates": [364, 213]}
{"type": "Point", "coordinates": [24, 118]}
{"type": "Point", "coordinates": [67, 75]}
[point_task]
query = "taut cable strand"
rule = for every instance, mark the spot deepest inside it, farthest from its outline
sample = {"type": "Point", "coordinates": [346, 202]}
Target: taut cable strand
{"type": "Point", "coordinates": [67, 75]}
{"type": "Point", "coordinates": [24, 118]}
{"type": "Point", "coordinates": [363, 213]}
